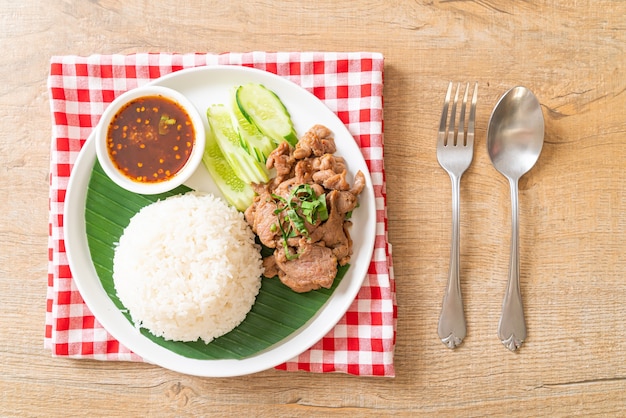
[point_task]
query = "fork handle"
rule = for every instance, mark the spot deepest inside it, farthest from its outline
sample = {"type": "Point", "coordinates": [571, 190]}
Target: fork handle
{"type": "Point", "coordinates": [452, 328]}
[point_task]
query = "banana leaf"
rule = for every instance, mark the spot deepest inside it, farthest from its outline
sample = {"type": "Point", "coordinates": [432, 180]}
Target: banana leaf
{"type": "Point", "coordinates": [276, 313]}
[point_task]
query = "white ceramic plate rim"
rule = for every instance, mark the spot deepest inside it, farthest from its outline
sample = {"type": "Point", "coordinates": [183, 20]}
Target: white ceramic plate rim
{"type": "Point", "coordinates": [204, 86]}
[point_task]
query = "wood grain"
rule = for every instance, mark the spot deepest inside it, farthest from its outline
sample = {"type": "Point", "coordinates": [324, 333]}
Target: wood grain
{"type": "Point", "coordinates": [572, 206]}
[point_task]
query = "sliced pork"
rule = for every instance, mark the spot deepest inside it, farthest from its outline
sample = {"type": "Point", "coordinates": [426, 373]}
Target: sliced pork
{"type": "Point", "coordinates": [303, 212]}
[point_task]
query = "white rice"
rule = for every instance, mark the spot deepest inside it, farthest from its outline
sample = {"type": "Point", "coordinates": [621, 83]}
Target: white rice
{"type": "Point", "coordinates": [187, 267]}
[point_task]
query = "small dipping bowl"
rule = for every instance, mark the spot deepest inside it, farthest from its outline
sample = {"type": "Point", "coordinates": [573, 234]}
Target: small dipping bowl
{"type": "Point", "coordinates": [150, 140]}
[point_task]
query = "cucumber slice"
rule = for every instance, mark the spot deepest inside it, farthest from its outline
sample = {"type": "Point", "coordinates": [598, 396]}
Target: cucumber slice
{"type": "Point", "coordinates": [264, 109]}
{"type": "Point", "coordinates": [237, 192]}
{"type": "Point", "coordinates": [246, 167]}
{"type": "Point", "coordinates": [254, 141]}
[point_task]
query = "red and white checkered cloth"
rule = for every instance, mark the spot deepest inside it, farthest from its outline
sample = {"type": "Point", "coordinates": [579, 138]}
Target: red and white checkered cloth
{"type": "Point", "coordinates": [350, 84]}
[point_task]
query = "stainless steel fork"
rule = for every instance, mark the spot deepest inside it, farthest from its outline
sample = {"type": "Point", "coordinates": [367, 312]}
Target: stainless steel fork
{"type": "Point", "coordinates": [455, 150]}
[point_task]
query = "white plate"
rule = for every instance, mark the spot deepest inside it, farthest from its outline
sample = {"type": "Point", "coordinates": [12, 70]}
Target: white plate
{"type": "Point", "coordinates": [205, 86]}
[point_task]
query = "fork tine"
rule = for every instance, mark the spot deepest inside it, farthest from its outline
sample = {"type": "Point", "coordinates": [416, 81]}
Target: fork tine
{"type": "Point", "coordinates": [441, 137]}
{"type": "Point", "coordinates": [472, 117]}
{"type": "Point", "coordinates": [460, 140]}
{"type": "Point", "coordinates": [451, 127]}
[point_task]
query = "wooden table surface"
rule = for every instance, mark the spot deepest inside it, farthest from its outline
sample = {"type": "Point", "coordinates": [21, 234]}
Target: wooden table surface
{"type": "Point", "coordinates": [572, 54]}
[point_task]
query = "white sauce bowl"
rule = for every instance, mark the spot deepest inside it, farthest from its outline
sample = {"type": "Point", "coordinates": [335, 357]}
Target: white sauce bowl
{"type": "Point", "coordinates": [148, 188]}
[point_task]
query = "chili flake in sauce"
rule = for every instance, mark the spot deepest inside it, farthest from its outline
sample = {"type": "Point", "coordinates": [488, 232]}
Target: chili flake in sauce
{"type": "Point", "coordinates": [150, 139]}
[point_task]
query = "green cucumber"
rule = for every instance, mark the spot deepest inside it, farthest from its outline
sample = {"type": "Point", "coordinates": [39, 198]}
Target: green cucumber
{"type": "Point", "coordinates": [263, 108]}
{"type": "Point", "coordinates": [246, 167]}
{"type": "Point", "coordinates": [237, 192]}
{"type": "Point", "coordinates": [254, 141]}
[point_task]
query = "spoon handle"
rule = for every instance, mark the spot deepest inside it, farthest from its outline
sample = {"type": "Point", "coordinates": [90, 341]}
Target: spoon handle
{"type": "Point", "coordinates": [512, 326]}
{"type": "Point", "coordinates": [452, 326]}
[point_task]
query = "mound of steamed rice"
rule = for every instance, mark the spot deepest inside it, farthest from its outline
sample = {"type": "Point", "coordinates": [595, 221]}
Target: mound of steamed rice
{"type": "Point", "coordinates": [187, 268]}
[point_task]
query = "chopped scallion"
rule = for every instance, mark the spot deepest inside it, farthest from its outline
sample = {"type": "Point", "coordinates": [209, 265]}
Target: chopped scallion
{"type": "Point", "coordinates": [302, 200]}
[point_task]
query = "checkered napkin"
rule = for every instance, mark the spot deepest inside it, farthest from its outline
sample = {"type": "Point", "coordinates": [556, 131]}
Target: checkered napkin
{"type": "Point", "coordinates": [350, 84]}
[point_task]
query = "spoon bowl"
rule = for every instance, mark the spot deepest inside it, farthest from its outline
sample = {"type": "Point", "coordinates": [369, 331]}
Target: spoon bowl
{"type": "Point", "coordinates": [516, 130]}
{"type": "Point", "coordinates": [514, 141]}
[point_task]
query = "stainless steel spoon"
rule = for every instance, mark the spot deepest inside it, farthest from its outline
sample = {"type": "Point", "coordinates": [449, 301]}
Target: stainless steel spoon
{"type": "Point", "coordinates": [514, 141]}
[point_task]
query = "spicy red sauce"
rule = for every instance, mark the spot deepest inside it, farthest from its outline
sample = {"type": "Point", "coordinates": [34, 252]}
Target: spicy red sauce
{"type": "Point", "coordinates": [150, 139]}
